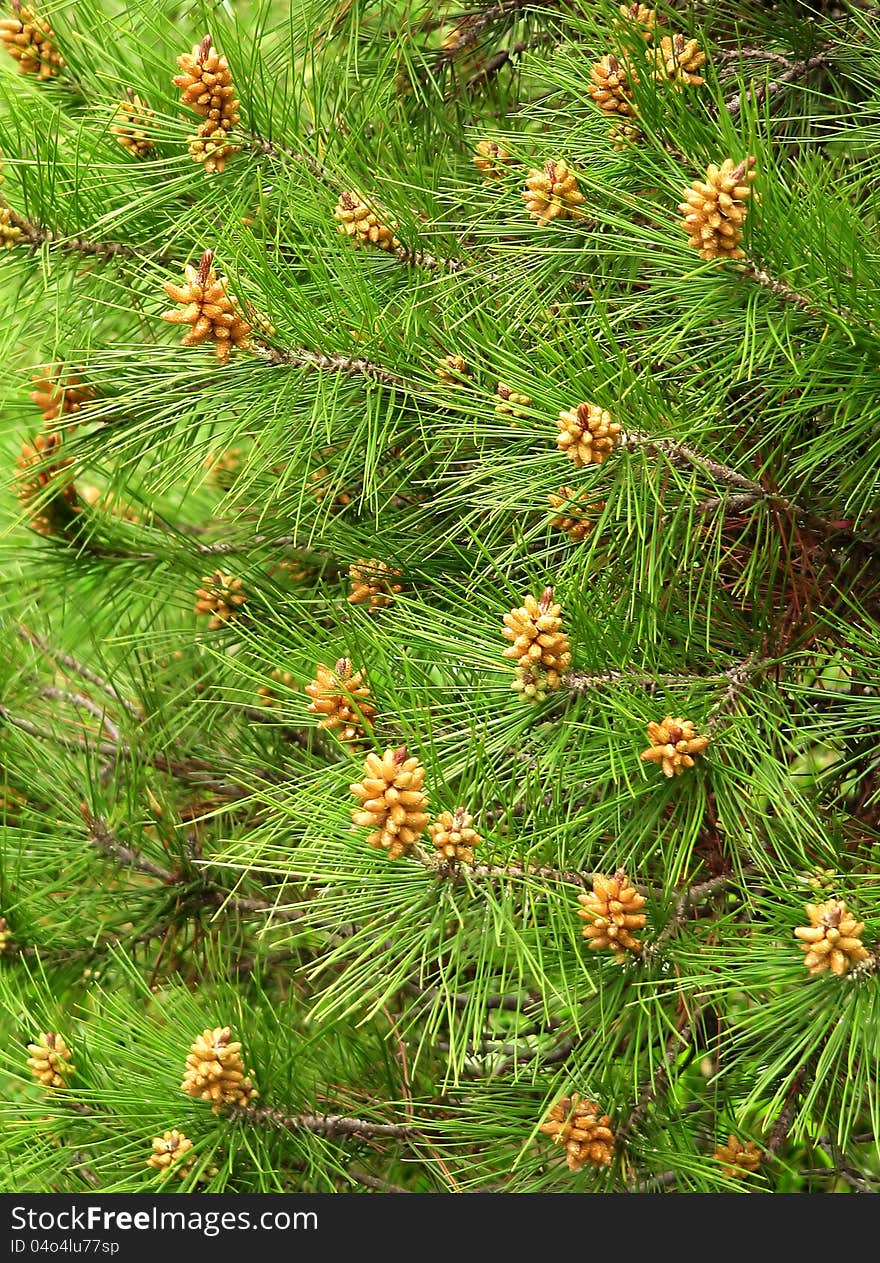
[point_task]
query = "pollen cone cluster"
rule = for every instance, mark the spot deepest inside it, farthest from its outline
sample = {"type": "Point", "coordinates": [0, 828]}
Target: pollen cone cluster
{"type": "Point", "coordinates": [393, 806]}
{"type": "Point", "coordinates": [738, 1159]}
{"type": "Point", "coordinates": [6, 935]}
{"type": "Point", "coordinates": [372, 581]}
{"type": "Point", "coordinates": [510, 402]}
{"type": "Point", "coordinates": [50, 1060]}
{"type": "Point", "coordinates": [10, 233]}
{"type": "Point", "coordinates": [538, 642]}
{"type": "Point", "coordinates": [611, 912]}
{"type": "Point", "coordinates": [209, 311]}
{"type": "Point", "coordinates": [206, 87]}
{"type": "Point", "coordinates": [491, 160]}
{"type": "Point", "coordinates": [452, 371]}
{"type": "Point", "coordinates": [715, 209]}
{"type": "Point", "coordinates": [611, 88]}
{"type": "Point", "coordinates": [363, 225]}
{"type": "Point", "coordinates": [578, 1126]}
{"type": "Point", "coordinates": [267, 695]}
{"type": "Point", "coordinates": [169, 1150]}
{"type": "Point", "coordinates": [552, 193]}
{"type": "Point", "coordinates": [587, 434]}
{"type": "Point", "coordinates": [674, 742]}
{"type": "Point", "coordinates": [832, 940]}
{"type": "Point", "coordinates": [131, 126]}
{"type": "Point", "coordinates": [57, 395]}
{"type": "Point", "coordinates": [340, 696]}
{"type": "Point", "coordinates": [215, 1071]}
{"type": "Point", "coordinates": [50, 503]}
{"type": "Point", "coordinates": [574, 513]}
{"type": "Point", "coordinates": [222, 597]}
{"type": "Point", "coordinates": [637, 15]}
{"type": "Point", "coordinates": [29, 39]}
{"type": "Point", "coordinates": [453, 837]}
{"type": "Point", "coordinates": [676, 60]}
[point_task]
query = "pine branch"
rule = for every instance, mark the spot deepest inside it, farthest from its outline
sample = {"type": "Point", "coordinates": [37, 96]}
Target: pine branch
{"type": "Point", "coordinates": [767, 91]}
{"type": "Point", "coordinates": [105, 251]}
{"type": "Point", "coordinates": [79, 669]}
{"type": "Point", "coordinates": [332, 1126]}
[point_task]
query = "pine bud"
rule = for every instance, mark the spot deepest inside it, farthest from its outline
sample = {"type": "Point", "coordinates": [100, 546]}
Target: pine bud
{"type": "Point", "coordinates": [587, 434]}
{"type": "Point", "coordinates": [10, 233]}
{"type": "Point", "coordinates": [339, 696]}
{"type": "Point", "coordinates": [738, 1159]}
{"type": "Point", "coordinates": [537, 638]}
{"type": "Point", "coordinates": [373, 581]}
{"type": "Point", "coordinates": [453, 838]}
{"type": "Point", "coordinates": [676, 60]}
{"type": "Point", "coordinates": [611, 88]}
{"type": "Point", "coordinates": [553, 193]}
{"type": "Point", "coordinates": [131, 126]}
{"type": "Point", "coordinates": [50, 1061]}
{"type": "Point", "coordinates": [611, 911]}
{"type": "Point", "coordinates": [393, 806]}
{"type": "Point", "coordinates": [674, 742]}
{"type": "Point", "coordinates": [215, 1071]}
{"type": "Point", "coordinates": [29, 39]}
{"type": "Point", "coordinates": [169, 1150]}
{"type": "Point", "coordinates": [832, 939]}
{"type": "Point", "coordinates": [356, 220]}
{"type": "Point", "coordinates": [575, 512]}
{"type": "Point", "coordinates": [585, 1134]}
{"type": "Point", "coordinates": [208, 309]}
{"type": "Point", "coordinates": [48, 499]}
{"type": "Point", "coordinates": [491, 160]}
{"type": "Point", "coordinates": [222, 597]}
{"type": "Point", "coordinates": [714, 210]}
{"type": "Point", "coordinates": [510, 402]}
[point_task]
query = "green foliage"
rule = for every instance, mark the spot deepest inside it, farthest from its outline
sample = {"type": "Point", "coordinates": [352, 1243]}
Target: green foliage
{"type": "Point", "coordinates": [177, 849]}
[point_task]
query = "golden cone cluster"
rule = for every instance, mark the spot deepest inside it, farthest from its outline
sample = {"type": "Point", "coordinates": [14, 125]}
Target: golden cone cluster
{"type": "Point", "coordinates": [574, 513]}
{"type": "Point", "coordinates": [209, 311]}
{"type": "Point", "coordinates": [552, 193]}
{"type": "Point", "coordinates": [340, 696]}
{"type": "Point", "coordinates": [611, 88]}
{"type": "Point", "coordinates": [50, 503]}
{"type": "Point", "coordinates": [453, 837]}
{"type": "Point", "coordinates": [131, 124]}
{"type": "Point", "coordinates": [393, 806]}
{"type": "Point", "coordinates": [373, 581]}
{"type": "Point", "coordinates": [50, 1060]}
{"type": "Point", "coordinates": [58, 396]}
{"type": "Point", "coordinates": [106, 502]}
{"type": "Point", "coordinates": [611, 912]}
{"type": "Point", "coordinates": [5, 935]}
{"type": "Point", "coordinates": [715, 209]}
{"type": "Point", "coordinates": [510, 402]}
{"type": "Point", "coordinates": [10, 233]}
{"type": "Point", "coordinates": [491, 160]}
{"type": "Point", "coordinates": [206, 87]}
{"type": "Point", "coordinates": [452, 371]}
{"type": "Point", "coordinates": [363, 225]}
{"type": "Point", "coordinates": [322, 489]}
{"type": "Point", "coordinates": [29, 39]}
{"type": "Point", "coordinates": [169, 1150]}
{"type": "Point", "coordinates": [222, 597]}
{"type": "Point", "coordinates": [221, 467]}
{"type": "Point", "coordinates": [587, 434]}
{"type": "Point", "coordinates": [578, 1126]}
{"type": "Point", "coordinates": [674, 742]}
{"type": "Point", "coordinates": [215, 1071]}
{"type": "Point", "coordinates": [832, 939]}
{"type": "Point", "coordinates": [676, 60]}
{"type": "Point", "coordinates": [738, 1159]}
{"type": "Point", "coordinates": [538, 643]}
{"type": "Point", "coordinates": [637, 15]}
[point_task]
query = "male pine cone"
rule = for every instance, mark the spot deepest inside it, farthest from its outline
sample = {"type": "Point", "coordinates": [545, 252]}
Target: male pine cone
{"type": "Point", "coordinates": [714, 209]}
{"type": "Point", "coordinates": [215, 1071]}
{"type": "Point", "coordinates": [587, 434]}
{"type": "Point", "coordinates": [832, 940]}
{"type": "Point", "coordinates": [674, 742]}
{"type": "Point", "coordinates": [222, 597]}
{"type": "Point", "coordinates": [537, 638]}
{"type": "Point", "coordinates": [50, 1061]}
{"type": "Point", "coordinates": [612, 911]}
{"type": "Point", "coordinates": [577, 1125]}
{"type": "Point", "coordinates": [453, 837]}
{"type": "Point", "coordinates": [552, 193]}
{"type": "Point", "coordinates": [392, 804]}
{"type": "Point", "coordinates": [209, 311]}
{"type": "Point", "coordinates": [340, 696]}
{"type": "Point", "coordinates": [29, 39]}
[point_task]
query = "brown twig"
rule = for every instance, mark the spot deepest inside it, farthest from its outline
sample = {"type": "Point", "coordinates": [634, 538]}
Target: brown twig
{"type": "Point", "coordinates": [766, 91]}
{"type": "Point", "coordinates": [333, 1126]}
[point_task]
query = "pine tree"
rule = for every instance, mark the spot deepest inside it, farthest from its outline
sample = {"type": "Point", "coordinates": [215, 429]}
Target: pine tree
{"type": "Point", "coordinates": [478, 302]}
